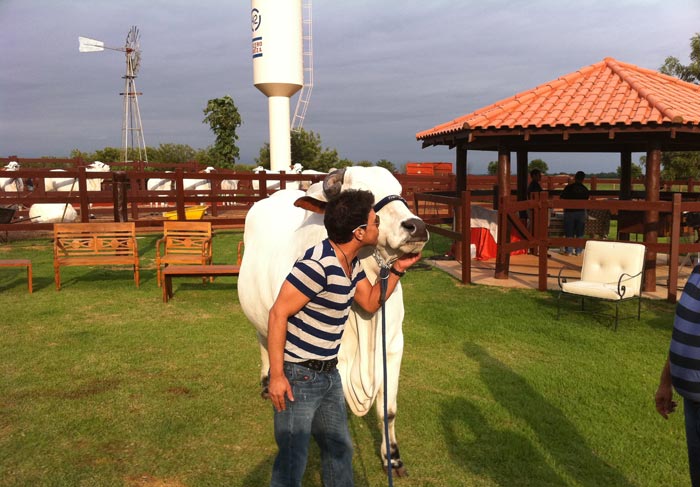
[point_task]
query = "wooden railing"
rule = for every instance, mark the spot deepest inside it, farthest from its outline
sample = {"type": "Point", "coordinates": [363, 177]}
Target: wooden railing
{"type": "Point", "coordinates": [537, 237]}
{"type": "Point", "coordinates": [124, 195]}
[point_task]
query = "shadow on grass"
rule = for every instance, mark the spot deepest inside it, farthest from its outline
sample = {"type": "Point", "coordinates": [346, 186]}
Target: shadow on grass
{"type": "Point", "coordinates": [654, 313]}
{"type": "Point", "coordinates": [260, 475]}
{"type": "Point", "coordinates": [489, 451]}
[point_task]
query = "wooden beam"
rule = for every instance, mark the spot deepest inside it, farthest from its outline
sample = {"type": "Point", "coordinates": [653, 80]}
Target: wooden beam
{"type": "Point", "coordinates": [503, 258]}
{"type": "Point", "coordinates": [651, 218]}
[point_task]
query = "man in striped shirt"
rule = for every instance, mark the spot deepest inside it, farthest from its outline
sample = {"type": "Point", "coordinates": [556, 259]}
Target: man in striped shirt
{"type": "Point", "coordinates": [682, 370]}
{"type": "Point", "coordinates": [305, 326]}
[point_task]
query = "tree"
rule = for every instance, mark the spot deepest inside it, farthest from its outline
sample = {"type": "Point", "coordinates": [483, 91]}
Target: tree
{"type": "Point", "coordinates": [222, 116]}
{"type": "Point", "coordinates": [681, 165]}
{"type": "Point", "coordinates": [492, 168]}
{"type": "Point", "coordinates": [365, 163]}
{"type": "Point", "coordinates": [690, 73]}
{"type": "Point", "coordinates": [538, 164]}
{"type": "Point", "coordinates": [327, 160]}
{"type": "Point", "coordinates": [306, 147]}
{"type": "Point", "coordinates": [388, 165]}
{"type": "Point", "coordinates": [636, 170]}
{"type": "Point", "coordinates": [306, 150]}
{"type": "Point", "coordinates": [171, 153]}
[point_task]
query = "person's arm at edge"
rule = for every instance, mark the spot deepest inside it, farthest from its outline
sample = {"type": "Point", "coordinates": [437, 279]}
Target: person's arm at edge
{"type": "Point", "coordinates": [288, 303]}
{"type": "Point", "coordinates": [663, 398]}
{"type": "Point", "coordinates": [367, 295]}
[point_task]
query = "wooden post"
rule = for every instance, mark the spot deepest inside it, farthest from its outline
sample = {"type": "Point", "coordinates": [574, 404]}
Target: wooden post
{"type": "Point", "coordinates": [461, 167]}
{"type": "Point", "coordinates": [541, 218]}
{"type": "Point", "coordinates": [651, 217]}
{"type": "Point", "coordinates": [82, 192]}
{"type": "Point", "coordinates": [466, 237]}
{"type": "Point", "coordinates": [180, 194]}
{"type": "Point", "coordinates": [119, 196]}
{"type": "Point", "coordinates": [673, 252]}
{"type": "Point", "coordinates": [503, 258]}
{"type": "Point", "coordinates": [625, 182]}
{"type": "Point", "coordinates": [521, 174]}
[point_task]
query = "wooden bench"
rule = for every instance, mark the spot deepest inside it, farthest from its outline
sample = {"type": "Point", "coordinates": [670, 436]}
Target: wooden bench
{"type": "Point", "coordinates": [194, 270]}
{"type": "Point", "coordinates": [89, 244]}
{"type": "Point", "coordinates": [183, 242]}
{"type": "Point", "coordinates": [20, 263]}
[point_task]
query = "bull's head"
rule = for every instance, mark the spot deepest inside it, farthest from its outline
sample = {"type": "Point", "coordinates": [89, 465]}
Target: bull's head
{"type": "Point", "coordinates": [400, 232]}
{"type": "Point", "coordinates": [98, 166]}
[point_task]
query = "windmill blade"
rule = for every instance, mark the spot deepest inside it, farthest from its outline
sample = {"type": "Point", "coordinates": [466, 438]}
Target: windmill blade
{"type": "Point", "coordinates": [85, 44]}
{"type": "Point", "coordinates": [133, 48]}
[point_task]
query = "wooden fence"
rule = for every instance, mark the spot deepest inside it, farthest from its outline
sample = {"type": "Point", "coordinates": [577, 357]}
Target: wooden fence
{"type": "Point", "coordinates": [537, 237]}
{"type": "Point", "coordinates": [124, 195]}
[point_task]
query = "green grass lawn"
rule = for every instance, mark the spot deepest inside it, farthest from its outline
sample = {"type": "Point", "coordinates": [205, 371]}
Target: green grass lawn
{"type": "Point", "coordinates": [105, 385]}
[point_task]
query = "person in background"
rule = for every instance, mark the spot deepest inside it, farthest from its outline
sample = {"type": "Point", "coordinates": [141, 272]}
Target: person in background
{"type": "Point", "coordinates": [534, 186]}
{"type": "Point", "coordinates": [682, 370]}
{"type": "Point", "coordinates": [575, 220]}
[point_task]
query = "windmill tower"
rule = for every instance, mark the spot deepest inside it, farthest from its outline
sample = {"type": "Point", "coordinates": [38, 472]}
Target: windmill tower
{"type": "Point", "coordinates": [308, 53]}
{"type": "Point", "coordinates": [132, 129]}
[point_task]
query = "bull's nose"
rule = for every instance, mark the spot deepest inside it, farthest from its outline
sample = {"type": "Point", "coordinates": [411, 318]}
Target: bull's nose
{"type": "Point", "coordinates": [416, 228]}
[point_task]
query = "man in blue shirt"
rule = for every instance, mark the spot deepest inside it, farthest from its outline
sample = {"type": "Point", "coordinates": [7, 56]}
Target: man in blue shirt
{"type": "Point", "coordinates": [305, 326]}
{"type": "Point", "coordinates": [682, 370]}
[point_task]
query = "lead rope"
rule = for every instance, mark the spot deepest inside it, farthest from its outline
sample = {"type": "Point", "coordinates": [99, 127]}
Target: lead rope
{"type": "Point", "coordinates": [383, 282]}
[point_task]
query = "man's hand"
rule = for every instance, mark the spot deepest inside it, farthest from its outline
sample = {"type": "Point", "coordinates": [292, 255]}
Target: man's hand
{"type": "Point", "coordinates": [279, 388]}
{"type": "Point", "coordinates": [406, 261]}
{"type": "Point", "coordinates": [665, 404]}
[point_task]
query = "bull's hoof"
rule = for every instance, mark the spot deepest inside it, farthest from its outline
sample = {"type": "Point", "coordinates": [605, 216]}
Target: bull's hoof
{"type": "Point", "coordinates": [265, 391]}
{"type": "Point", "coordinates": [401, 471]}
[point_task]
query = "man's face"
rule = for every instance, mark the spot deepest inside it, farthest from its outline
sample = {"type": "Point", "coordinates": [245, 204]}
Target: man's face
{"type": "Point", "coordinates": [370, 235]}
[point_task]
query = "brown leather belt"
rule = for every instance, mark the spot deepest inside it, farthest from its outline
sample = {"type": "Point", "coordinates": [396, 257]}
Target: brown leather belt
{"type": "Point", "coordinates": [319, 365]}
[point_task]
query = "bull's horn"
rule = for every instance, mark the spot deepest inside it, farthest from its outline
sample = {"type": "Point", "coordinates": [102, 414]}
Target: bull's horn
{"type": "Point", "coordinates": [332, 183]}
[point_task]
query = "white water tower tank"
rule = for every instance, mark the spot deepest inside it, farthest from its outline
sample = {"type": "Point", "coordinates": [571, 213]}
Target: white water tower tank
{"type": "Point", "coordinates": [278, 68]}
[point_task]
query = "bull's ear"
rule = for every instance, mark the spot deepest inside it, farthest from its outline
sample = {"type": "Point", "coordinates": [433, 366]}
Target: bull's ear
{"type": "Point", "coordinates": [311, 204]}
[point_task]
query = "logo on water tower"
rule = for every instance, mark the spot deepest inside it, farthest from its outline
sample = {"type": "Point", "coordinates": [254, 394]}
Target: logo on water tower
{"type": "Point", "coordinates": [255, 19]}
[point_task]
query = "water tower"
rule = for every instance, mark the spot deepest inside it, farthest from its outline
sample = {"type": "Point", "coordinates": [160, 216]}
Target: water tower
{"type": "Point", "coordinates": [278, 68]}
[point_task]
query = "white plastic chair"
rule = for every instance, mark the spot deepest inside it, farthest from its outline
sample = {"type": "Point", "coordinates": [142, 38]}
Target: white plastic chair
{"type": "Point", "coordinates": [611, 271]}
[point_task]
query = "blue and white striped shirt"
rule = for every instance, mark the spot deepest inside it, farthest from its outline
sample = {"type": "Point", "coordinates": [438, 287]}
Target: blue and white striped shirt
{"type": "Point", "coordinates": [684, 355]}
{"type": "Point", "coordinates": [315, 331]}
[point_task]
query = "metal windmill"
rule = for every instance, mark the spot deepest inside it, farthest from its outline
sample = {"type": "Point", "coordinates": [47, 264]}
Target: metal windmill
{"type": "Point", "coordinates": [132, 129]}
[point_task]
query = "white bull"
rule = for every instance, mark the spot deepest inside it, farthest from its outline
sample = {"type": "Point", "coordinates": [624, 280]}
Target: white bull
{"type": "Point", "coordinates": [160, 184]}
{"type": "Point", "coordinates": [275, 185]}
{"type": "Point", "coordinates": [71, 184]}
{"type": "Point", "coordinates": [200, 184]}
{"type": "Point", "coordinates": [52, 213]}
{"type": "Point", "coordinates": [278, 231]}
{"type": "Point", "coordinates": [11, 184]}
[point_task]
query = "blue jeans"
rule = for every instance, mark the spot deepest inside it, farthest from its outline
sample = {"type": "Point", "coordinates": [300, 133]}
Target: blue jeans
{"type": "Point", "coordinates": [318, 410]}
{"type": "Point", "coordinates": [574, 225]}
{"type": "Point", "coordinates": [692, 436]}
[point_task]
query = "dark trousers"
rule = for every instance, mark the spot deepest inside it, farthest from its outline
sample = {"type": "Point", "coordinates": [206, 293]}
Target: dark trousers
{"type": "Point", "coordinates": [692, 436]}
{"type": "Point", "coordinates": [574, 225]}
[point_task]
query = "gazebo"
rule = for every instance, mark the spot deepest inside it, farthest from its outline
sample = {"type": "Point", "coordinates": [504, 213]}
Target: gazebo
{"type": "Point", "coordinates": [610, 106]}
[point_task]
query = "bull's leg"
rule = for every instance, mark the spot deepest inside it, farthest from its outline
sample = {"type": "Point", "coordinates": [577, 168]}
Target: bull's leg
{"type": "Point", "coordinates": [396, 462]}
{"type": "Point", "coordinates": [264, 367]}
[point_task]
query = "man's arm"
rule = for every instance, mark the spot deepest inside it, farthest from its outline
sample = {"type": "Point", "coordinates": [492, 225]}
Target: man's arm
{"type": "Point", "coordinates": [367, 295]}
{"type": "Point", "coordinates": [288, 303]}
{"type": "Point", "coordinates": [665, 404]}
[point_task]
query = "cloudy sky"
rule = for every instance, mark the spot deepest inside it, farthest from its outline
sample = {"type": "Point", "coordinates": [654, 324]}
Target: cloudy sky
{"type": "Point", "coordinates": [384, 70]}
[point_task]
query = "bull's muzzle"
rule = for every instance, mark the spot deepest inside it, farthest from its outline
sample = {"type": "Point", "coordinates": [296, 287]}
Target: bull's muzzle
{"type": "Point", "coordinates": [416, 229]}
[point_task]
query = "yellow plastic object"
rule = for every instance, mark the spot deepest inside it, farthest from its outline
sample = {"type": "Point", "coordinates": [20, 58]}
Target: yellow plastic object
{"type": "Point", "coordinates": [191, 213]}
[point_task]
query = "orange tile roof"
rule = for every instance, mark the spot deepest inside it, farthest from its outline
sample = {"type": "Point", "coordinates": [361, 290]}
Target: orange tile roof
{"type": "Point", "coordinates": [606, 93]}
